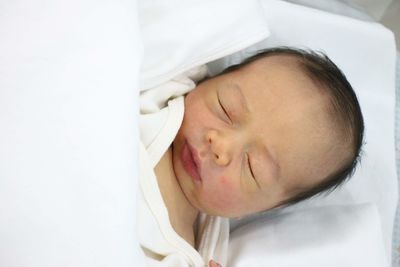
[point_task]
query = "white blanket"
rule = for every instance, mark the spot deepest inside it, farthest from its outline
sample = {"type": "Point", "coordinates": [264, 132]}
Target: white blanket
{"type": "Point", "coordinates": [68, 136]}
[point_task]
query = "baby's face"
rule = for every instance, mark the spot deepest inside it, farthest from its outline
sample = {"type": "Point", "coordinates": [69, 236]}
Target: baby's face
{"type": "Point", "coordinates": [256, 135]}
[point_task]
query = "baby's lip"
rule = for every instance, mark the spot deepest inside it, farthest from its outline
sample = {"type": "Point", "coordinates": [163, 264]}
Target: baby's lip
{"type": "Point", "coordinates": [196, 159]}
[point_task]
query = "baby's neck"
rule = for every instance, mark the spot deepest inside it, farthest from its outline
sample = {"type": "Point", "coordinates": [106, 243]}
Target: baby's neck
{"type": "Point", "coordinates": [182, 214]}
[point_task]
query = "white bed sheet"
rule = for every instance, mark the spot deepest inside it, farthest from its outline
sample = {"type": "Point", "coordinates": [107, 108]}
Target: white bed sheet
{"type": "Point", "coordinates": [330, 236]}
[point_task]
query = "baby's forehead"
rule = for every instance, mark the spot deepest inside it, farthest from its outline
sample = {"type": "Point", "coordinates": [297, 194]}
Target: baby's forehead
{"type": "Point", "coordinates": [276, 88]}
{"type": "Point", "coordinates": [269, 76]}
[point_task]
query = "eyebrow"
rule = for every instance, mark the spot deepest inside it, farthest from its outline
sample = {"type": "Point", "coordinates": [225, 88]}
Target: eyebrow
{"type": "Point", "coordinates": [273, 158]}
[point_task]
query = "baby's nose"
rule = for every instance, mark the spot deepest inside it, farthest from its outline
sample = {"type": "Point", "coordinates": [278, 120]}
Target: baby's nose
{"type": "Point", "coordinates": [220, 147]}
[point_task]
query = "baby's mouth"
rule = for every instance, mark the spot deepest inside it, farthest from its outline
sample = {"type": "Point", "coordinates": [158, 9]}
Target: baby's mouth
{"type": "Point", "coordinates": [191, 162]}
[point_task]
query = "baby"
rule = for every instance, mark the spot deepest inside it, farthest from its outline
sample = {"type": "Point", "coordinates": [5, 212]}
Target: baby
{"type": "Point", "coordinates": [281, 127]}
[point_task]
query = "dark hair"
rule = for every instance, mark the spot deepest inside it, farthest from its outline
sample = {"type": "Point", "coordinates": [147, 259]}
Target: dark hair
{"type": "Point", "coordinates": [344, 106]}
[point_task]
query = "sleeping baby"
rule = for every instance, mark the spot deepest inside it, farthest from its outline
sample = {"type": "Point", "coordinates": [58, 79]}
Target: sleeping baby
{"type": "Point", "coordinates": [279, 128]}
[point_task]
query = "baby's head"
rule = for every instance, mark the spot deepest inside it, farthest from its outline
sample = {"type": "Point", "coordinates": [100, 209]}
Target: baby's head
{"type": "Point", "coordinates": [281, 127]}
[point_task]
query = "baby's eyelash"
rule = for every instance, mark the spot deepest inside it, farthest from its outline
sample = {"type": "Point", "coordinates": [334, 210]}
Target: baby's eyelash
{"type": "Point", "coordinates": [249, 165]}
{"type": "Point", "coordinates": [223, 108]}
{"type": "Point", "coordinates": [251, 171]}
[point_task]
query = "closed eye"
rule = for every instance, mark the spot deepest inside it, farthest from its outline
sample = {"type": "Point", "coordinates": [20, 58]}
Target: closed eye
{"type": "Point", "coordinates": [251, 171]}
{"type": "Point", "coordinates": [249, 165]}
{"type": "Point", "coordinates": [224, 110]}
